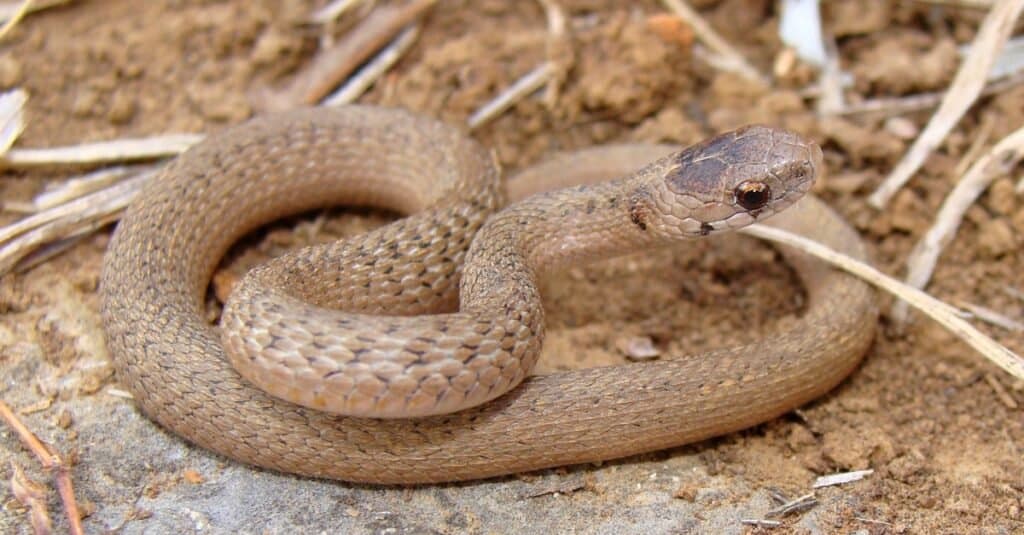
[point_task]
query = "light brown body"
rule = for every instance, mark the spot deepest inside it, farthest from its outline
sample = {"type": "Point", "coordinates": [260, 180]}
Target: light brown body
{"type": "Point", "coordinates": [159, 264]}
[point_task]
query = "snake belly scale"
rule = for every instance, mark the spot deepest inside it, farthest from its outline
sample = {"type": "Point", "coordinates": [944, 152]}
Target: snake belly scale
{"type": "Point", "coordinates": [416, 339]}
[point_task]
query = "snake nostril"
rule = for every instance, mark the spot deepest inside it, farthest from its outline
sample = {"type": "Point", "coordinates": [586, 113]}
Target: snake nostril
{"type": "Point", "coordinates": [752, 195]}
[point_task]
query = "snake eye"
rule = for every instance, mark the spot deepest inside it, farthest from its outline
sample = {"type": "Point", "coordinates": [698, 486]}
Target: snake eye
{"type": "Point", "coordinates": [752, 195]}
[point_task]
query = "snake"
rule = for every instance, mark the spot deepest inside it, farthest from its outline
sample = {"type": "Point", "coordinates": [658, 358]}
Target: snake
{"type": "Point", "coordinates": [403, 355]}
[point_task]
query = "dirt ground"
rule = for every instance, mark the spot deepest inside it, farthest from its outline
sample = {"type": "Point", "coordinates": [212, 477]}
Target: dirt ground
{"type": "Point", "coordinates": [942, 428]}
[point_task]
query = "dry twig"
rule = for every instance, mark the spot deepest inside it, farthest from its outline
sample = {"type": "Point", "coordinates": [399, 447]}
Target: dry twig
{"type": "Point", "coordinates": [995, 163]}
{"type": "Point", "coordinates": [52, 462]}
{"type": "Point", "coordinates": [548, 73]}
{"type": "Point", "coordinates": [362, 80]}
{"type": "Point", "coordinates": [121, 150]}
{"type": "Point", "coordinates": [941, 312]}
{"type": "Point", "coordinates": [70, 219]}
{"type": "Point", "coordinates": [888, 107]}
{"type": "Point", "coordinates": [969, 81]}
{"type": "Point", "coordinates": [728, 57]}
{"type": "Point", "coordinates": [334, 65]}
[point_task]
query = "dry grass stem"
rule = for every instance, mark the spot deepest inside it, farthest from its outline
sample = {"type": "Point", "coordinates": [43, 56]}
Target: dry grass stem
{"type": "Point", "coordinates": [922, 259]}
{"type": "Point", "coordinates": [761, 523]}
{"type": "Point", "coordinates": [729, 58]}
{"type": "Point", "coordinates": [15, 18]}
{"type": "Point", "coordinates": [332, 66]}
{"type": "Point", "coordinates": [1004, 397]}
{"type": "Point", "coordinates": [77, 217]}
{"type": "Point", "coordinates": [559, 50]}
{"type": "Point", "coordinates": [963, 92]}
{"type": "Point", "coordinates": [830, 81]}
{"type": "Point", "coordinates": [52, 462]}
{"type": "Point", "coordinates": [548, 73]}
{"type": "Point", "coordinates": [941, 312]}
{"type": "Point", "coordinates": [79, 186]}
{"type": "Point", "coordinates": [363, 79]}
{"type": "Point", "coordinates": [888, 107]}
{"type": "Point", "coordinates": [526, 85]}
{"type": "Point", "coordinates": [9, 10]}
{"type": "Point", "coordinates": [332, 11]}
{"type": "Point", "coordinates": [991, 316]}
{"type": "Point", "coordinates": [12, 117]}
{"type": "Point", "coordinates": [802, 503]}
{"type": "Point", "coordinates": [121, 150]}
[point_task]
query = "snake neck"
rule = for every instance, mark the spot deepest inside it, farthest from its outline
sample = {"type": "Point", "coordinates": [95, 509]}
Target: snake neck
{"type": "Point", "coordinates": [550, 231]}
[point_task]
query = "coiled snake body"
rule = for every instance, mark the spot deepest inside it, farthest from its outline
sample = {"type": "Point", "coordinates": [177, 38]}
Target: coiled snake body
{"type": "Point", "coordinates": [396, 390]}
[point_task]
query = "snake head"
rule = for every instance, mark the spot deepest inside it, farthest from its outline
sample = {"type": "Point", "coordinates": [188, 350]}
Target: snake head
{"type": "Point", "coordinates": [735, 179]}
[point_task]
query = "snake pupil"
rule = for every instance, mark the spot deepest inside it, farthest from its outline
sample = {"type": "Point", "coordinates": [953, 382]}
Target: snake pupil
{"type": "Point", "coordinates": [753, 195]}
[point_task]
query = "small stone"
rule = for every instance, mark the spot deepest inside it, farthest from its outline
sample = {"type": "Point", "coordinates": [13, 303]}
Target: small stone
{"type": "Point", "coordinates": [904, 467]}
{"type": "Point", "coordinates": [901, 127]}
{"type": "Point", "coordinates": [996, 238]}
{"type": "Point", "coordinates": [122, 108]}
{"type": "Point", "coordinates": [64, 419]}
{"type": "Point", "coordinates": [192, 476]}
{"type": "Point", "coordinates": [637, 348]}
{"type": "Point", "coordinates": [85, 103]}
{"type": "Point", "coordinates": [905, 211]}
{"type": "Point", "coordinates": [687, 491]}
{"type": "Point", "coordinates": [1002, 199]}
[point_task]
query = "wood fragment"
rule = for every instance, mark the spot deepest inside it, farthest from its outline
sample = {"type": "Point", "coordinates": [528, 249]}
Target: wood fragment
{"type": "Point", "coordinates": [761, 523]}
{"type": "Point", "coordinates": [963, 92]}
{"type": "Point", "coordinates": [943, 313]}
{"type": "Point", "coordinates": [121, 150]}
{"type": "Point", "coordinates": [363, 79]}
{"type": "Point", "coordinates": [334, 65]}
{"type": "Point", "coordinates": [52, 462]}
{"type": "Point", "coordinates": [841, 478]}
{"type": "Point", "coordinates": [922, 259]}
{"type": "Point", "coordinates": [728, 57]}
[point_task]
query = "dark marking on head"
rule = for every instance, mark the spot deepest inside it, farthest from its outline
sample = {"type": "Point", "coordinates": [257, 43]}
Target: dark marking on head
{"type": "Point", "coordinates": [696, 175]}
{"type": "Point", "coordinates": [706, 228]}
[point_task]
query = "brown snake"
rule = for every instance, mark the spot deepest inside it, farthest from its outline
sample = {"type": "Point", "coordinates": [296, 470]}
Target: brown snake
{"type": "Point", "coordinates": [391, 353]}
